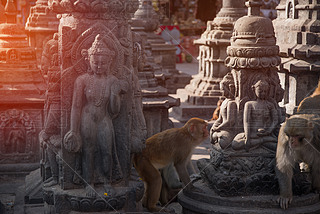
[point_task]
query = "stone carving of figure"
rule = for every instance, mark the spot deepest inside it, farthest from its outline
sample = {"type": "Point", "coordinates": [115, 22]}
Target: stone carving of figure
{"type": "Point", "coordinates": [15, 142]}
{"type": "Point", "coordinates": [96, 101]}
{"type": "Point", "coordinates": [259, 121]}
{"type": "Point", "coordinates": [223, 129]}
{"type": "Point", "coordinates": [49, 137]}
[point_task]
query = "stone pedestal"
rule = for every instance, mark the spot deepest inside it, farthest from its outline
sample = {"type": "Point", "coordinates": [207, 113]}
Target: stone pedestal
{"type": "Point", "coordinates": [200, 97]}
{"type": "Point", "coordinates": [296, 28]}
{"type": "Point", "coordinates": [22, 97]}
{"type": "Point", "coordinates": [42, 23]}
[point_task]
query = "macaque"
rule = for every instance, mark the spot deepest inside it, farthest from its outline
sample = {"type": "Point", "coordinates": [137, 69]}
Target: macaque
{"type": "Point", "coordinates": [299, 140]}
{"type": "Point", "coordinates": [175, 146]}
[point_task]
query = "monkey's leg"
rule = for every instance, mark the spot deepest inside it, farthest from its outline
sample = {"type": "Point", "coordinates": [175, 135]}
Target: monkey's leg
{"type": "Point", "coordinates": [151, 176]}
{"type": "Point", "coordinates": [285, 185]}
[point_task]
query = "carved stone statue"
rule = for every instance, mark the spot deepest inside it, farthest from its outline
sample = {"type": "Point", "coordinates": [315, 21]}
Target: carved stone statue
{"type": "Point", "coordinates": [223, 130]}
{"type": "Point", "coordinates": [96, 100]}
{"type": "Point", "coordinates": [49, 137]}
{"type": "Point", "coordinates": [260, 120]}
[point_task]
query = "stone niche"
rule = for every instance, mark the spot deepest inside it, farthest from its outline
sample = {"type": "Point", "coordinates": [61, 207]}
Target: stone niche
{"type": "Point", "coordinates": [297, 31]}
{"type": "Point", "coordinates": [22, 95]}
{"type": "Point", "coordinates": [101, 110]}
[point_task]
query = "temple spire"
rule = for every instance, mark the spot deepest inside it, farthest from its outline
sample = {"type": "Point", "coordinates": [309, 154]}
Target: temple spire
{"type": "Point", "coordinates": [254, 7]}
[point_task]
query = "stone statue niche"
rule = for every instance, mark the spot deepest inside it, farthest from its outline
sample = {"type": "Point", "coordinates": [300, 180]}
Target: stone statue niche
{"type": "Point", "coordinates": [102, 122]}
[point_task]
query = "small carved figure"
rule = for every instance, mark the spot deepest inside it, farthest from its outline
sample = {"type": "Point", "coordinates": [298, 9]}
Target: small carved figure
{"type": "Point", "coordinates": [96, 101]}
{"type": "Point", "coordinates": [260, 121]}
{"type": "Point", "coordinates": [170, 146]}
{"type": "Point", "coordinates": [223, 129]}
{"type": "Point", "coordinates": [298, 141]}
{"type": "Point", "coordinates": [15, 142]}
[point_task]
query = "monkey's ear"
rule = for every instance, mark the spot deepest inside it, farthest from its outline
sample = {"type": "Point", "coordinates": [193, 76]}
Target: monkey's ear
{"type": "Point", "coordinates": [191, 128]}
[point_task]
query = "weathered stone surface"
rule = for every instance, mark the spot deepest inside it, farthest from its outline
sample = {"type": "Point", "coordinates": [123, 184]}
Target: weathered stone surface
{"type": "Point", "coordinates": [42, 23]}
{"type": "Point", "coordinates": [297, 31]}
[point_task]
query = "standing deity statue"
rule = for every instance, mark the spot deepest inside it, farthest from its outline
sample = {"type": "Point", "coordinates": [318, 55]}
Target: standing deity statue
{"type": "Point", "coordinates": [96, 101]}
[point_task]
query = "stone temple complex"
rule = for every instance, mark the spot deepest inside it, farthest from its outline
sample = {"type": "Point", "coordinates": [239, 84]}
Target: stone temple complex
{"type": "Point", "coordinates": [84, 83]}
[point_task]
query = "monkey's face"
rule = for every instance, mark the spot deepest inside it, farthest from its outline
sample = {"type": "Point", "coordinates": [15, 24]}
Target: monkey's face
{"type": "Point", "coordinates": [299, 131]}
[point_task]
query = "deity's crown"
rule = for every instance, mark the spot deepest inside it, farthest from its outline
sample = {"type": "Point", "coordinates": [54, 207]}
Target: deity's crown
{"type": "Point", "coordinates": [100, 47]}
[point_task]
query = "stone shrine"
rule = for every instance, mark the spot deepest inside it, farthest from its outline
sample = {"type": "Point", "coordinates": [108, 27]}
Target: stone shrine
{"type": "Point", "coordinates": [155, 99]}
{"type": "Point", "coordinates": [240, 175]}
{"type": "Point", "coordinates": [200, 97]}
{"type": "Point", "coordinates": [22, 95]}
{"type": "Point", "coordinates": [102, 121]}
{"type": "Point", "coordinates": [297, 31]}
{"type": "Point", "coordinates": [164, 54]}
{"type": "Point", "coordinates": [42, 23]}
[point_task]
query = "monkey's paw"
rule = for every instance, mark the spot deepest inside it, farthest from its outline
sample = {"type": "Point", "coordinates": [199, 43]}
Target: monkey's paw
{"type": "Point", "coordinates": [284, 202]}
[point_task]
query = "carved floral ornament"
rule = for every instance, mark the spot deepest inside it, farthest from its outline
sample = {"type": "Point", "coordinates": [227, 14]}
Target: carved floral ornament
{"type": "Point", "coordinates": [15, 115]}
{"type": "Point", "coordinates": [109, 8]}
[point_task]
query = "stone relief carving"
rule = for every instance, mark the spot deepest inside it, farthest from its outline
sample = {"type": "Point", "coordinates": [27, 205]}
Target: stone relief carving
{"type": "Point", "coordinates": [17, 134]}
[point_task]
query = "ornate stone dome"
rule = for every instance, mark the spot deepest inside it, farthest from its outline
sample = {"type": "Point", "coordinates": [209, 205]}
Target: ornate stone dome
{"type": "Point", "coordinates": [253, 42]}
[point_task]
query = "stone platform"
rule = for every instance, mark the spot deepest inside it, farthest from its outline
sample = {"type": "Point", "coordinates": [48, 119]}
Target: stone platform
{"type": "Point", "coordinates": [210, 203]}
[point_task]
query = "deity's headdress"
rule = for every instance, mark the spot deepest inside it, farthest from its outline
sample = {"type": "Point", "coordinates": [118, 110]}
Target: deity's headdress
{"type": "Point", "coordinates": [100, 47]}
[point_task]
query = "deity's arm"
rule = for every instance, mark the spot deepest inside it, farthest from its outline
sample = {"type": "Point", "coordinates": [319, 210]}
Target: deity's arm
{"type": "Point", "coordinates": [77, 103]}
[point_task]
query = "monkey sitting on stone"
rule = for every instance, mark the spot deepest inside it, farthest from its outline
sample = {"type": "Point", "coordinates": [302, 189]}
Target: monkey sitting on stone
{"type": "Point", "coordinates": [175, 146]}
{"type": "Point", "coordinates": [299, 140]}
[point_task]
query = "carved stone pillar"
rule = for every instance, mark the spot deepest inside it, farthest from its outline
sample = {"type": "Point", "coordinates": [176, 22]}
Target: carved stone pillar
{"type": "Point", "coordinates": [164, 54]}
{"type": "Point", "coordinates": [297, 32]}
{"type": "Point", "coordinates": [199, 98]}
{"type": "Point", "coordinates": [155, 99]}
{"type": "Point", "coordinates": [42, 23]}
{"type": "Point", "coordinates": [240, 175]}
{"type": "Point", "coordinates": [22, 96]}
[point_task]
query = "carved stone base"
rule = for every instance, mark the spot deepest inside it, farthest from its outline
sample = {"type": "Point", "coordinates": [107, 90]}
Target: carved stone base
{"type": "Point", "coordinates": [74, 201]}
{"type": "Point", "coordinates": [209, 203]}
{"type": "Point", "coordinates": [177, 81]}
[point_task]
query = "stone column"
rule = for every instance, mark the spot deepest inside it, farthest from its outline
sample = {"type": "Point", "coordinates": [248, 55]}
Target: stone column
{"type": "Point", "coordinates": [22, 97]}
{"type": "Point", "coordinates": [102, 122]}
{"type": "Point", "coordinates": [155, 99]}
{"type": "Point", "coordinates": [297, 34]}
{"type": "Point", "coordinates": [199, 98]}
{"type": "Point", "coordinates": [42, 23]}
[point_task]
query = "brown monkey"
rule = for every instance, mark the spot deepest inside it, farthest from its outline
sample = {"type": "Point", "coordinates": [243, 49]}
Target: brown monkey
{"type": "Point", "coordinates": [299, 140]}
{"type": "Point", "coordinates": [175, 146]}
